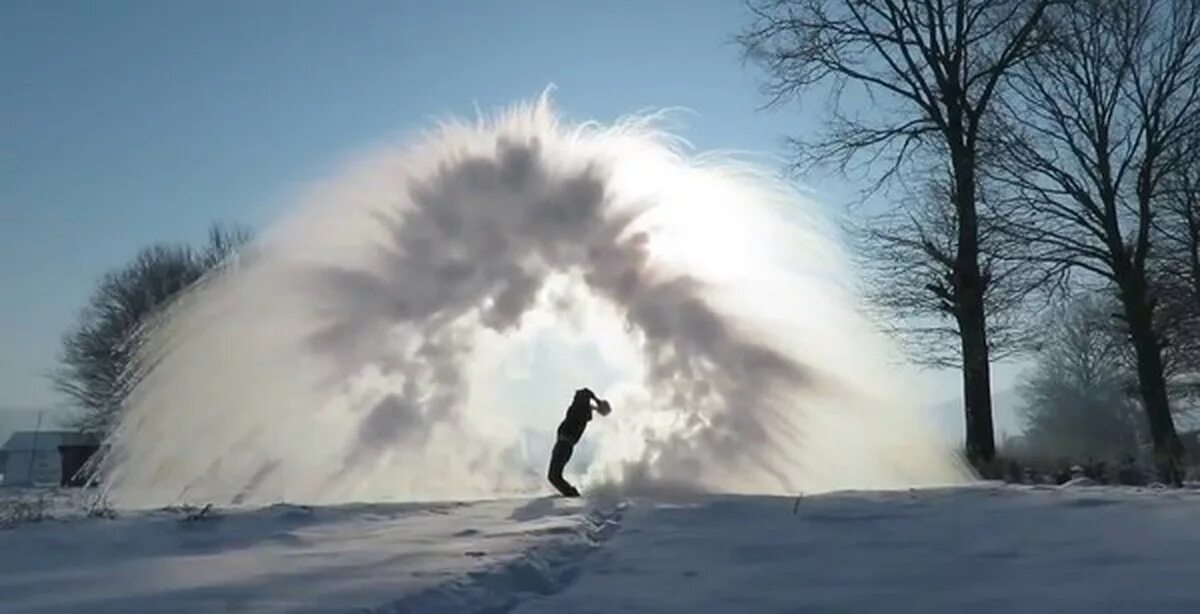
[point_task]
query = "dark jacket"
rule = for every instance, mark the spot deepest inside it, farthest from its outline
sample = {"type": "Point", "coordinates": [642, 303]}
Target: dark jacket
{"type": "Point", "coordinates": [579, 413]}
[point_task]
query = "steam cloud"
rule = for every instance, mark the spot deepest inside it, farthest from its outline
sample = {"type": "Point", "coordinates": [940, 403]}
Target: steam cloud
{"type": "Point", "coordinates": [339, 358]}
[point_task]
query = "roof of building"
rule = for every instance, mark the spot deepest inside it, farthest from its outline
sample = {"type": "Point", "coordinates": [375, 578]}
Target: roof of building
{"type": "Point", "coordinates": [45, 440]}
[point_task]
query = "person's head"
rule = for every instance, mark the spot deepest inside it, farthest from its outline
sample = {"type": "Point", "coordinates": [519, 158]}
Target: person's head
{"type": "Point", "coordinates": [583, 395]}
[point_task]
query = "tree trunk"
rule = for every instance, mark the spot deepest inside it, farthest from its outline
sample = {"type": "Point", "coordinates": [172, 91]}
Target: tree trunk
{"type": "Point", "coordinates": [1152, 383]}
{"type": "Point", "coordinates": [969, 289]}
{"type": "Point", "coordinates": [977, 388]}
{"type": "Point", "coordinates": [1193, 228]}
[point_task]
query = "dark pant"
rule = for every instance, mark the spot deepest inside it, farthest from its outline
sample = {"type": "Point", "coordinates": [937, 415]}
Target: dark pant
{"type": "Point", "coordinates": [558, 460]}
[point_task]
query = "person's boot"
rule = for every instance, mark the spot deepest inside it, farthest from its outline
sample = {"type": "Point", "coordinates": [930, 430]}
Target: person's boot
{"type": "Point", "coordinates": [563, 486]}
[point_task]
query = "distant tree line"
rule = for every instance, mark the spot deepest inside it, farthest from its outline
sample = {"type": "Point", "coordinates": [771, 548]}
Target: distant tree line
{"type": "Point", "coordinates": [99, 363]}
{"type": "Point", "coordinates": [1037, 152]}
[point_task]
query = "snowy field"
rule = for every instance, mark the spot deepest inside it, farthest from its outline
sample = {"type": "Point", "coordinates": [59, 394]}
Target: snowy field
{"type": "Point", "coordinates": [987, 548]}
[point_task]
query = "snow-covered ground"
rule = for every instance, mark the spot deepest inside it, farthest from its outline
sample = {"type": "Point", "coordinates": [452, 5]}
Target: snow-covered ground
{"type": "Point", "coordinates": [986, 548]}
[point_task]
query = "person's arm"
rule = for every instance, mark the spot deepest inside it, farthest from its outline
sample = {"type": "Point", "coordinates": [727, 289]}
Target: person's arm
{"type": "Point", "coordinates": [601, 405]}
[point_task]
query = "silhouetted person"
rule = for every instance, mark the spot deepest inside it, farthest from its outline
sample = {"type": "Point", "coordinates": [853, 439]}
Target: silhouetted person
{"type": "Point", "coordinates": [569, 432]}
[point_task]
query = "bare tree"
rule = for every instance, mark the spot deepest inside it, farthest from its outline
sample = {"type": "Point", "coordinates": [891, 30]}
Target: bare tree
{"type": "Point", "coordinates": [908, 252]}
{"type": "Point", "coordinates": [1179, 275]}
{"type": "Point", "coordinates": [1076, 397]}
{"type": "Point", "coordinates": [99, 354]}
{"type": "Point", "coordinates": [1096, 126]}
{"type": "Point", "coordinates": [937, 65]}
{"type": "Point", "coordinates": [1183, 220]}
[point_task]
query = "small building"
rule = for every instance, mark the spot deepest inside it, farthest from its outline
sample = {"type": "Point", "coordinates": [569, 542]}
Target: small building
{"type": "Point", "coordinates": [45, 458]}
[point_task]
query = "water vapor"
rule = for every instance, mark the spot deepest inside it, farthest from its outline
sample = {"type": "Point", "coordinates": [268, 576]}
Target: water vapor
{"type": "Point", "coordinates": [341, 358]}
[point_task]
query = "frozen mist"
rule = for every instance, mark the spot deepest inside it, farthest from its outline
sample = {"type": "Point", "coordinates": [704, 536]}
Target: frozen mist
{"type": "Point", "coordinates": [351, 353]}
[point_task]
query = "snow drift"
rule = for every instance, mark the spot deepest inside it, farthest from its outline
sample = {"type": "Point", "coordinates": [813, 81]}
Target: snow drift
{"type": "Point", "coordinates": [351, 353]}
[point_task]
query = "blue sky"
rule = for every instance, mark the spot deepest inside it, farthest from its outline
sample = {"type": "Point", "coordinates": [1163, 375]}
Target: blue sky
{"type": "Point", "coordinates": [126, 123]}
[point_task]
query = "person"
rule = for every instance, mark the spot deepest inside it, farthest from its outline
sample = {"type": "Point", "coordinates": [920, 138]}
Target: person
{"type": "Point", "coordinates": [579, 413]}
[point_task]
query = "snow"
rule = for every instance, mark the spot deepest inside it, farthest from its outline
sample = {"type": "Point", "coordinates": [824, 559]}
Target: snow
{"type": "Point", "coordinates": [977, 550]}
{"type": "Point", "coordinates": [982, 548]}
{"type": "Point", "coordinates": [282, 557]}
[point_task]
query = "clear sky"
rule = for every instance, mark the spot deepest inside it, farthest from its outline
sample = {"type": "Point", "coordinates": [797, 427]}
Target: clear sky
{"type": "Point", "coordinates": [125, 123]}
